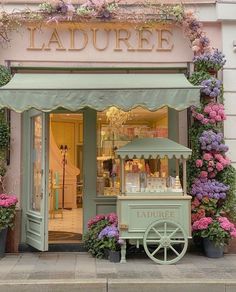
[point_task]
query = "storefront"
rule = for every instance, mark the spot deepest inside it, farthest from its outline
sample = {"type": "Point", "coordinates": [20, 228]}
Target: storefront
{"type": "Point", "coordinates": [81, 90]}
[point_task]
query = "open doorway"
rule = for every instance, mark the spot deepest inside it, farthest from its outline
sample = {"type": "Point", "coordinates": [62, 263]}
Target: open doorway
{"type": "Point", "coordinates": [65, 178]}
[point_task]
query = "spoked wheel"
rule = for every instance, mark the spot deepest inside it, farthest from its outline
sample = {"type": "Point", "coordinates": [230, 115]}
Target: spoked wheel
{"type": "Point", "coordinates": [165, 242]}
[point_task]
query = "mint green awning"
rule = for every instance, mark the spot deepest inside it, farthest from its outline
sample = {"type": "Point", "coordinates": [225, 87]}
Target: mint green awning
{"type": "Point", "coordinates": [47, 92]}
{"type": "Point", "coordinates": [154, 148]}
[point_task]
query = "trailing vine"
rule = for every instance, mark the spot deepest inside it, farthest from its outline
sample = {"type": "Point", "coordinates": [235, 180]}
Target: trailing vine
{"type": "Point", "coordinates": [5, 77]}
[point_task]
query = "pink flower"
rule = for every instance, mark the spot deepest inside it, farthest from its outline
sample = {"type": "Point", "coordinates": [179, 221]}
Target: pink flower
{"type": "Point", "coordinates": [7, 200]}
{"type": "Point", "coordinates": [210, 169]}
{"type": "Point", "coordinates": [205, 121]}
{"type": "Point", "coordinates": [221, 112]}
{"type": "Point", "coordinates": [199, 163]}
{"type": "Point", "coordinates": [211, 163]}
{"type": "Point", "coordinates": [201, 224]}
{"type": "Point", "coordinates": [212, 114]}
{"type": "Point", "coordinates": [218, 118]}
{"type": "Point", "coordinates": [219, 166]}
{"type": "Point", "coordinates": [207, 109]}
{"type": "Point", "coordinates": [212, 175]}
{"type": "Point", "coordinates": [215, 107]}
{"type": "Point", "coordinates": [212, 121]}
{"type": "Point", "coordinates": [233, 233]}
{"type": "Point", "coordinates": [207, 156]}
{"type": "Point", "coordinates": [203, 174]}
{"type": "Point", "coordinates": [199, 117]}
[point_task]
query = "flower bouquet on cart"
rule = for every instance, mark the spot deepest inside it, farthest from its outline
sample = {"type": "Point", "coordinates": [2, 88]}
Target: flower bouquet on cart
{"type": "Point", "coordinates": [216, 233]}
{"type": "Point", "coordinates": [7, 215]}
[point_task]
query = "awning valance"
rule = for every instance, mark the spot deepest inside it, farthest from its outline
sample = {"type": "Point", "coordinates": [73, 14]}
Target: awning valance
{"type": "Point", "coordinates": [154, 148]}
{"type": "Point", "coordinates": [47, 92]}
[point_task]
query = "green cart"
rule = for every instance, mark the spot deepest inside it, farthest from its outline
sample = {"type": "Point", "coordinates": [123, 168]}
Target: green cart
{"type": "Point", "coordinates": [153, 207]}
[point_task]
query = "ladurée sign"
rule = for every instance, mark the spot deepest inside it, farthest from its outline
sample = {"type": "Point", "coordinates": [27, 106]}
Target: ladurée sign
{"type": "Point", "coordinates": [101, 39]}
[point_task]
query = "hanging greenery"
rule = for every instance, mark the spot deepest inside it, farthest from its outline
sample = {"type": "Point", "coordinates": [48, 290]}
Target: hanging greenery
{"type": "Point", "coordinates": [5, 77]}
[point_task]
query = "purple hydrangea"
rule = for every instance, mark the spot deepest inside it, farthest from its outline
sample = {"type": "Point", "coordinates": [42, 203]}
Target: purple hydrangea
{"type": "Point", "coordinates": [211, 141]}
{"type": "Point", "coordinates": [210, 60]}
{"type": "Point", "coordinates": [211, 87]}
{"type": "Point", "coordinates": [210, 188]}
{"type": "Point", "coordinates": [110, 232]}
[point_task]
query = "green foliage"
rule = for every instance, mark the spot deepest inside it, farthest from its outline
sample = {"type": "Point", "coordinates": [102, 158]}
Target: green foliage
{"type": "Point", "coordinates": [5, 75]}
{"type": "Point", "coordinates": [7, 217]}
{"type": "Point", "coordinates": [228, 177]}
{"type": "Point", "coordinates": [198, 76]}
{"type": "Point", "coordinates": [110, 243]}
{"type": "Point", "coordinates": [92, 243]}
{"type": "Point", "coordinates": [4, 135]}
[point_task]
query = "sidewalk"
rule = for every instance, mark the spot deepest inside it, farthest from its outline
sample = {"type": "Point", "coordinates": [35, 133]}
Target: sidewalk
{"type": "Point", "coordinates": [80, 272]}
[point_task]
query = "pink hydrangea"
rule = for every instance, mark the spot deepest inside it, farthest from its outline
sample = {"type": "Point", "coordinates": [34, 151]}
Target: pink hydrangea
{"type": "Point", "coordinates": [207, 109]}
{"type": "Point", "coordinates": [7, 201]}
{"type": "Point", "coordinates": [219, 166]}
{"type": "Point", "coordinates": [199, 117]}
{"type": "Point", "coordinates": [203, 174]}
{"type": "Point", "coordinates": [233, 233]}
{"type": "Point", "coordinates": [207, 156]}
{"type": "Point", "coordinates": [199, 163]}
{"type": "Point", "coordinates": [226, 224]}
{"type": "Point", "coordinates": [212, 114]}
{"type": "Point", "coordinates": [202, 224]}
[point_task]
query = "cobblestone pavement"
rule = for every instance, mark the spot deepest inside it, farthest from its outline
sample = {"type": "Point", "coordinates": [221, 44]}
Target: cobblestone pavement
{"type": "Point", "coordinates": [45, 265]}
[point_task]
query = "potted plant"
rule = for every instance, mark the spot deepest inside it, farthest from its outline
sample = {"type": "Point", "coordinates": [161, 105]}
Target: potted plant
{"type": "Point", "coordinates": [111, 241]}
{"type": "Point", "coordinates": [216, 233]}
{"type": "Point", "coordinates": [93, 243]}
{"type": "Point", "coordinates": [7, 214]}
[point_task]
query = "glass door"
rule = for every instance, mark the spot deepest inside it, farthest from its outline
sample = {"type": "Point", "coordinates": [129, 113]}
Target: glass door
{"type": "Point", "coordinates": [37, 207]}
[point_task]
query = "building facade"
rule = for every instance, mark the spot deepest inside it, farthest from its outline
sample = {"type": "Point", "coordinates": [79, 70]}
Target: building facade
{"type": "Point", "coordinates": [74, 143]}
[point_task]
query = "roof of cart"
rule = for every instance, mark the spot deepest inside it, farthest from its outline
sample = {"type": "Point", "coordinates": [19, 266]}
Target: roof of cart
{"type": "Point", "coordinates": [153, 148]}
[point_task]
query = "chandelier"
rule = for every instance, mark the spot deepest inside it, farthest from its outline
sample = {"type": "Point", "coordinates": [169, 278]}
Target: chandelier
{"type": "Point", "coordinates": [116, 117]}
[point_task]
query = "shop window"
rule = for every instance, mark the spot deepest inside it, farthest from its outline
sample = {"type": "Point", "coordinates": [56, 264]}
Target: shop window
{"type": "Point", "coordinates": [115, 129]}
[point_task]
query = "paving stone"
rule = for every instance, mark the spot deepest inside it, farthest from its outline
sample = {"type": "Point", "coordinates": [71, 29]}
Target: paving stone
{"type": "Point", "coordinates": [87, 285]}
{"type": "Point", "coordinates": [146, 285]}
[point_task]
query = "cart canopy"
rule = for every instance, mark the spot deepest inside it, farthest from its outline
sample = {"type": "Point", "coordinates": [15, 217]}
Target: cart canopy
{"type": "Point", "coordinates": [154, 148]}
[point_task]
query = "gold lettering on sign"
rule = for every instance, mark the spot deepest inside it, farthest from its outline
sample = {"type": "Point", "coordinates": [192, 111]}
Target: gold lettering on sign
{"type": "Point", "coordinates": [107, 31]}
{"type": "Point", "coordinates": [55, 39]}
{"type": "Point", "coordinates": [144, 36]}
{"type": "Point", "coordinates": [125, 39]}
{"type": "Point", "coordinates": [32, 40]}
{"type": "Point", "coordinates": [164, 40]}
{"type": "Point", "coordinates": [72, 40]}
{"type": "Point", "coordinates": [102, 39]}
{"type": "Point", "coordinates": [162, 214]}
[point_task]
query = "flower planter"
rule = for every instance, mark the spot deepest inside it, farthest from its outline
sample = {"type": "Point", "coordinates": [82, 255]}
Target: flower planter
{"type": "Point", "coordinates": [3, 238]}
{"type": "Point", "coordinates": [114, 256]}
{"type": "Point", "coordinates": [211, 250]}
{"type": "Point", "coordinates": [106, 254]}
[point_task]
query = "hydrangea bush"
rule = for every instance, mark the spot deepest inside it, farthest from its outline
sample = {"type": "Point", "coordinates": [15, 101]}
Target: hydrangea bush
{"type": "Point", "coordinates": [102, 234]}
{"type": "Point", "coordinates": [7, 210]}
{"type": "Point", "coordinates": [211, 178]}
{"type": "Point", "coordinates": [213, 60]}
{"type": "Point", "coordinates": [219, 229]}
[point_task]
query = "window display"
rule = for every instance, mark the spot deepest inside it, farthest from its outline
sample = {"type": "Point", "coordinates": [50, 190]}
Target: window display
{"type": "Point", "coordinates": [141, 123]}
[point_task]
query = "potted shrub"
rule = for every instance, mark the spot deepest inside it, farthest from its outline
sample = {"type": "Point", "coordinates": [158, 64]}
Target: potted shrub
{"type": "Point", "coordinates": [7, 214]}
{"type": "Point", "coordinates": [111, 241]}
{"type": "Point", "coordinates": [216, 233]}
{"type": "Point", "coordinates": [93, 243]}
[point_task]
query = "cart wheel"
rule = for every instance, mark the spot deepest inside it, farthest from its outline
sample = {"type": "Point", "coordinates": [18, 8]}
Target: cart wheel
{"type": "Point", "coordinates": [165, 242]}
